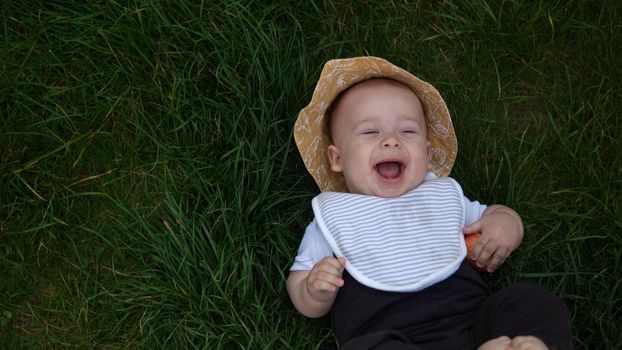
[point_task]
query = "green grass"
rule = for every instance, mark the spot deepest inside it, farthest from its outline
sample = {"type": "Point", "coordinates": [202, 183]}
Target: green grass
{"type": "Point", "coordinates": [151, 195]}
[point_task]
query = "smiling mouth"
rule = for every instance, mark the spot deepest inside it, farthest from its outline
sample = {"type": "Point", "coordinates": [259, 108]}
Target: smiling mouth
{"type": "Point", "coordinates": [389, 170]}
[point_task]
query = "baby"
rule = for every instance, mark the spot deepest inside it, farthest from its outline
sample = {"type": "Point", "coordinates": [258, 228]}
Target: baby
{"type": "Point", "coordinates": [386, 252]}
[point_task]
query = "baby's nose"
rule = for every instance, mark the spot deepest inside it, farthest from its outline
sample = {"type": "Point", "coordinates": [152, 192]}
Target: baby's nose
{"type": "Point", "coordinates": [391, 142]}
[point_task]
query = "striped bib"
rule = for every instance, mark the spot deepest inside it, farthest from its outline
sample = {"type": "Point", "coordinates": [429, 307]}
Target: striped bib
{"type": "Point", "coordinates": [400, 244]}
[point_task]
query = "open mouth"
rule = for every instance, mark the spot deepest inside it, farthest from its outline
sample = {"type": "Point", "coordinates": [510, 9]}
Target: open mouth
{"type": "Point", "coordinates": [390, 170]}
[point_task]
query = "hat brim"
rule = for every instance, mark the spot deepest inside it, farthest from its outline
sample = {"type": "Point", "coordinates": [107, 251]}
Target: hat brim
{"type": "Point", "coordinates": [340, 74]}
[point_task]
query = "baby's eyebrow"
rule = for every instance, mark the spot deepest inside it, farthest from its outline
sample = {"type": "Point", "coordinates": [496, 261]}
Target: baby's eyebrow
{"type": "Point", "coordinates": [414, 121]}
{"type": "Point", "coordinates": [364, 122]}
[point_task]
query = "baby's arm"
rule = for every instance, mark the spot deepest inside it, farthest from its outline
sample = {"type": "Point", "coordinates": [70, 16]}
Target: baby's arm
{"type": "Point", "coordinates": [502, 232]}
{"type": "Point", "coordinates": [313, 292]}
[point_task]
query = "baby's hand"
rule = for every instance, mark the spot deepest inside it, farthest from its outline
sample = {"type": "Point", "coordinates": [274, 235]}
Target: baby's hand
{"type": "Point", "coordinates": [324, 279]}
{"type": "Point", "coordinates": [502, 232]}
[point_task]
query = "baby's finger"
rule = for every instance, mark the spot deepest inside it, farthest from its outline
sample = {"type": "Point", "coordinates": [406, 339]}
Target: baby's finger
{"type": "Point", "coordinates": [331, 265]}
{"type": "Point", "coordinates": [497, 259]}
{"type": "Point", "coordinates": [481, 243]}
{"type": "Point", "coordinates": [322, 286]}
{"type": "Point", "coordinates": [330, 278]}
{"type": "Point", "coordinates": [324, 281]}
{"type": "Point", "coordinates": [337, 263]}
{"type": "Point", "coordinates": [323, 276]}
{"type": "Point", "coordinates": [321, 290]}
{"type": "Point", "coordinates": [474, 227]}
{"type": "Point", "coordinates": [486, 253]}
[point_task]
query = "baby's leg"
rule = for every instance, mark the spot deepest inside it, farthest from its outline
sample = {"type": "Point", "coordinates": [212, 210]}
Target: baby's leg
{"type": "Point", "coordinates": [524, 309]}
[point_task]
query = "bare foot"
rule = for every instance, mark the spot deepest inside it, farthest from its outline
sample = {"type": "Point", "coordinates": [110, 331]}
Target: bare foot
{"type": "Point", "coordinates": [528, 343]}
{"type": "Point", "coordinates": [501, 343]}
{"type": "Point", "coordinates": [517, 343]}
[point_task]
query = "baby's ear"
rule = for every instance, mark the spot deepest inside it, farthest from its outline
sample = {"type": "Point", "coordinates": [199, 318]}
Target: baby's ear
{"type": "Point", "coordinates": [334, 156]}
{"type": "Point", "coordinates": [430, 167]}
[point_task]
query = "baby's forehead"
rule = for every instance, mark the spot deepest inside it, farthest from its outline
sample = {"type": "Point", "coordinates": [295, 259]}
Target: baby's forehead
{"type": "Point", "coordinates": [377, 84]}
{"type": "Point", "coordinates": [368, 86]}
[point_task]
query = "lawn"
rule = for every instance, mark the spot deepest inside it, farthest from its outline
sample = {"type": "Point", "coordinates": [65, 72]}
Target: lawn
{"type": "Point", "coordinates": [151, 195]}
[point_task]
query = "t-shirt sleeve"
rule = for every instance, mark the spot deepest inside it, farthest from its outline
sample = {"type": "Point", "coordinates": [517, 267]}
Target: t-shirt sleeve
{"type": "Point", "coordinates": [313, 248]}
{"type": "Point", "coordinates": [473, 211]}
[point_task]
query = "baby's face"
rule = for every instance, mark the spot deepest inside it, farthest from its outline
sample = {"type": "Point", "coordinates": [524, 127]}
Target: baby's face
{"type": "Point", "coordinates": [379, 133]}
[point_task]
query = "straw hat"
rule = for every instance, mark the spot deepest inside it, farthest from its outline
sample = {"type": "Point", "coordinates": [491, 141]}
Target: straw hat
{"type": "Point", "coordinates": [340, 74]}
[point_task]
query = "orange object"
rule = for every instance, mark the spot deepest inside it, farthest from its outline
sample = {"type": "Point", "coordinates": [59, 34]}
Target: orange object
{"type": "Point", "coordinates": [471, 240]}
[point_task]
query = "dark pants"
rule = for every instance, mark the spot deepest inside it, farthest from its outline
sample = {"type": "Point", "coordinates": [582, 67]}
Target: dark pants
{"type": "Point", "coordinates": [458, 313]}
